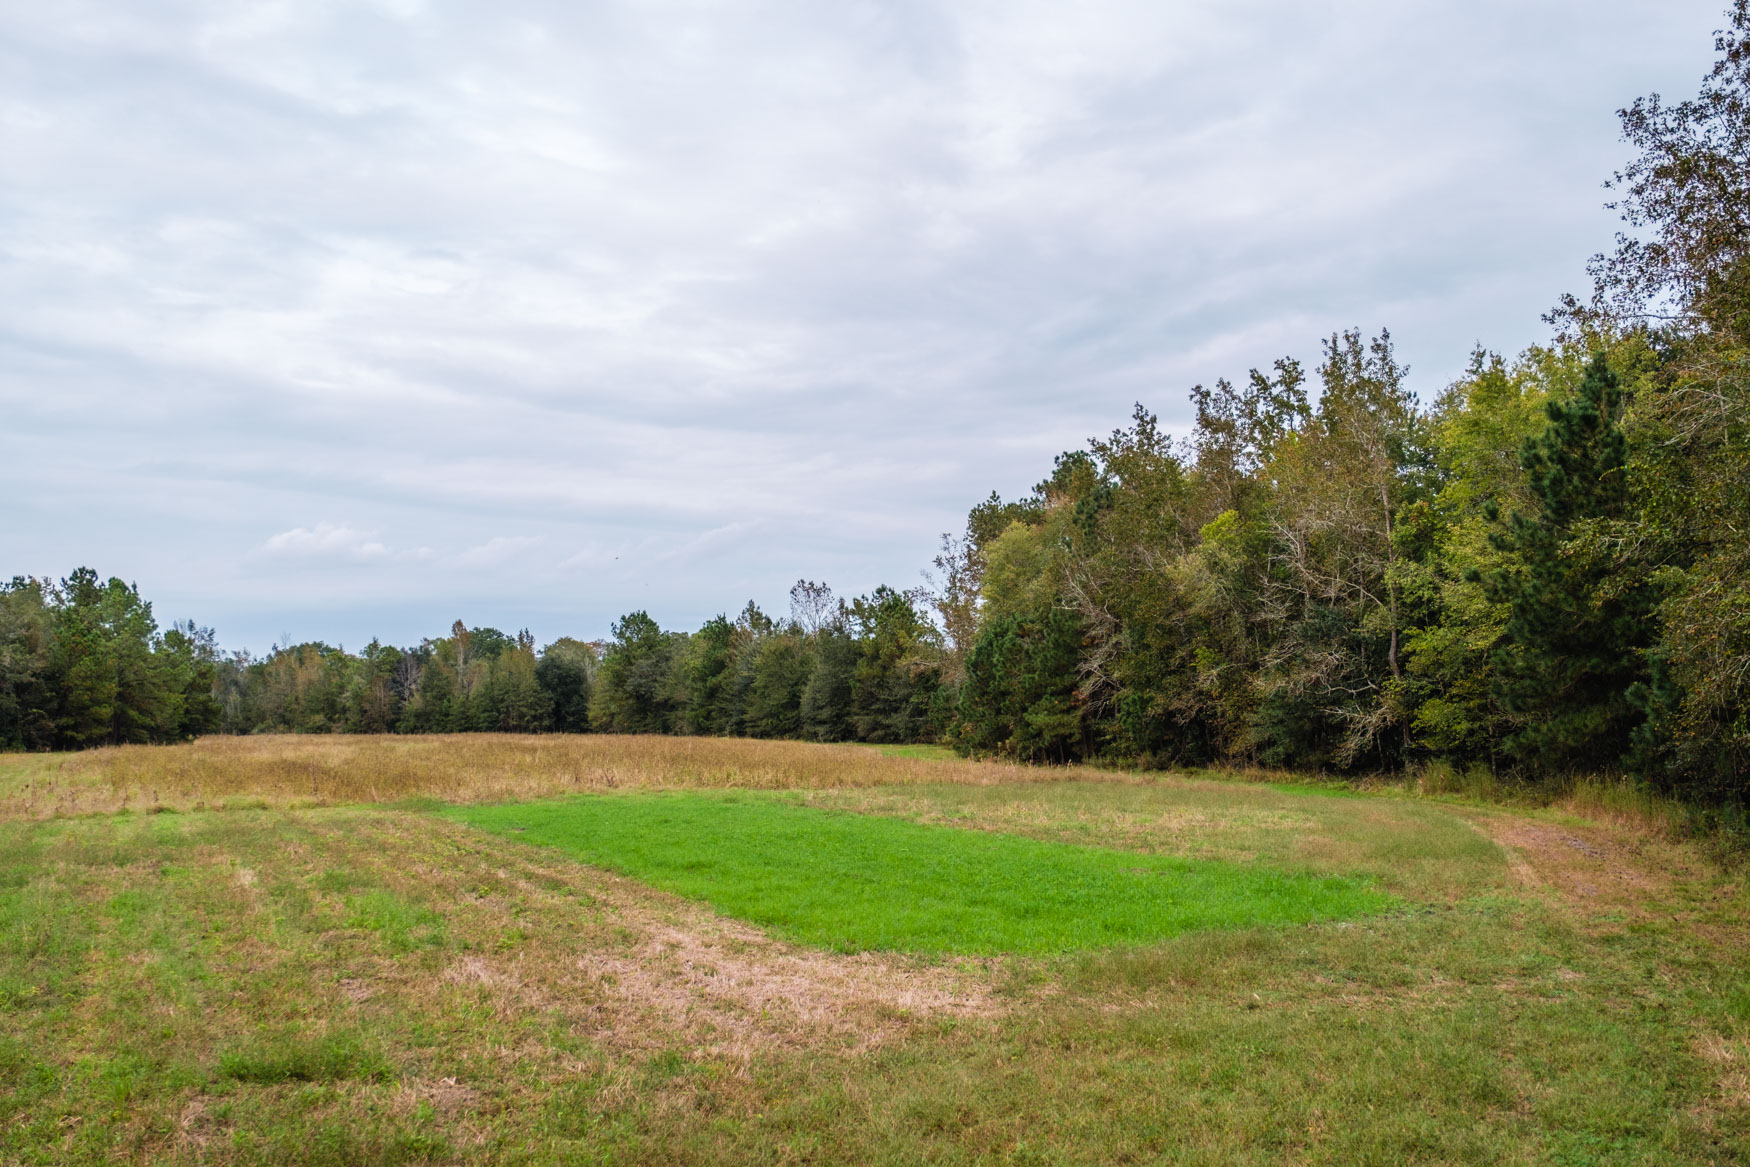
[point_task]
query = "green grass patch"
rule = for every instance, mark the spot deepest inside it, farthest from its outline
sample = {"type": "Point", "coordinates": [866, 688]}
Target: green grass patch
{"type": "Point", "coordinates": [854, 882]}
{"type": "Point", "coordinates": [291, 1057]}
{"type": "Point", "coordinates": [403, 926]}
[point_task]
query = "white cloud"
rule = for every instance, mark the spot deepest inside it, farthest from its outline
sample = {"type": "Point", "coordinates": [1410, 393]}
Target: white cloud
{"type": "Point", "coordinates": [326, 541]}
{"type": "Point", "coordinates": [497, 550]}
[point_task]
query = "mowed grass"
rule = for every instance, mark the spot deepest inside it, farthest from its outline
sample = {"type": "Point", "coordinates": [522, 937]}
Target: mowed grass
{"type": "Point", "coordinates": [854, 882]}
{"type": "Point", "coordinates": [1412, 847]}
{"type": "Point", "coordinates": [380, 984]}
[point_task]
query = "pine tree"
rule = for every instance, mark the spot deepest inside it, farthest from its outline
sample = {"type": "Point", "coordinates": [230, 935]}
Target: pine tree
{"type": "Point", "coordinates": [1575, 642]}
{"type": "Point", "coordinates": [29, 687]}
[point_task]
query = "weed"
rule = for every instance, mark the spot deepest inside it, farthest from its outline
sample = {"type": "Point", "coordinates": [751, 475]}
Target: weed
{"type": "Point", "coordinates": [327, 769]}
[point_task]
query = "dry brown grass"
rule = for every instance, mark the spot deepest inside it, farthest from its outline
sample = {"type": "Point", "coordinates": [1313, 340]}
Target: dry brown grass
{"type": "Point", "coordinates": [1731, 1062]}
{"type": "Point", "coordinates": [310, 770]}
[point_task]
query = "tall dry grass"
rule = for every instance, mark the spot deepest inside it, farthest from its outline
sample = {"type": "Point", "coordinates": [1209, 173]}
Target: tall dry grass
{"type": "Point", "coordinates": [311, 770]}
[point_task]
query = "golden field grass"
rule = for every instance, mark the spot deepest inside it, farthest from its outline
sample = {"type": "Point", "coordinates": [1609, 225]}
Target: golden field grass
{"type": "Point", "coordinates": [294, 770]}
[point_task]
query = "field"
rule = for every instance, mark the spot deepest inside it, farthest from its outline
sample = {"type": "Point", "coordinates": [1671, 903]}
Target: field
{"type": "Point", "coordinates": [310, 954]}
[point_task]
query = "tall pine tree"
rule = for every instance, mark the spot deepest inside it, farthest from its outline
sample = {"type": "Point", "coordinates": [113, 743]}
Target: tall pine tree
{"type": "Point", "coordinates": [1575, 643]}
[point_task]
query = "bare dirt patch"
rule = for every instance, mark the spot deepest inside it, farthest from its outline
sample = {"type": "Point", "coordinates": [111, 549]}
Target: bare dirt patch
{"type": "Point", "coordinates": [196, 1127]}
{"type": "Point", "coordinates": [446, 1096]}
{"type": "Point", "coordinates": [668, 972]}
{"type": "Point", "coordinates": [355, 990]}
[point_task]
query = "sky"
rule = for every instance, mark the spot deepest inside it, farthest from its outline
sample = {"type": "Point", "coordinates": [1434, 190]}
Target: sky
{"type": "Point", "coordinates": [331, 321]}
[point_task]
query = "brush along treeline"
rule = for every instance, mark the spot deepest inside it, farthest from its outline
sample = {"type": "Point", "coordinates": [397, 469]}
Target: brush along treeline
{"type": "Point", "coordinates": [1542, 570]}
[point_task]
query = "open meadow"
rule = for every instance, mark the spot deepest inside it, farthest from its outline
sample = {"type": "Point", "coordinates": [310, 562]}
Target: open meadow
{"type": "Point", "coordinates": [630, 949]}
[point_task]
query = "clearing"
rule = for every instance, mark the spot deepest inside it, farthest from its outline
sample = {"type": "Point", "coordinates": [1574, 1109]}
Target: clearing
{"type": "Point", "coordinates": [306, 957]}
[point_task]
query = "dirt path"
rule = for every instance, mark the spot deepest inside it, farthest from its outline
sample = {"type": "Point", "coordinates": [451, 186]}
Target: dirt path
{"type": "Point", "coordinates": [1599, 869]}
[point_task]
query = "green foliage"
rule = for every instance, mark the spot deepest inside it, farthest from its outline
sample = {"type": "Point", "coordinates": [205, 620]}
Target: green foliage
{"type": "Point", "coordinates": [780, 669]}
{"type": "Point", "coordinates": [1479, 427]}
{"type": "Point", "coordinates": [82, 663]}
{"type": "Point", "coordinates": [1019, 697]}
{"type": "Point", "coordinates": [566, 673]}
{"type": "Point", "coordinates": [896, 670]}
{"type": "Point", "coordinates": [1686, 195]}
{"type": "Point", "coordinates": [1333, 587]}
{"type": "Point", "coordinates": [1573, 644]}
{"type": "Point", "coordinates": [705, 675]}
{"type": "Point", "coordinates": [826, 699]}
{"type": "Point", "coordinates": [28, 690]}
{"type": "Point", "coordinates": [512, 695]}
{"type": "Point", "coordinates": [869, 670]}
{"type": "Point", "coordinates": [633, 693]}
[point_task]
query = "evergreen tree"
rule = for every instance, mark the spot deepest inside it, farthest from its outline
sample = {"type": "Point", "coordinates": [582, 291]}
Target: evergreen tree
{"type": "Point", "coordinates": [633, 691]}
{"type": "Point", "coordinates": [513, 698]}
{"type": "Point", "coordinates": [564, 673]}
{"type": "Point", "coordinates": [780, 673]}
{"type": "Point", "coordinates": [112, 691]}
{"type": "Point", "coordinates": [826, 698]}
{"type": "Point", "coordinates": [896, 673]}
{"type": "Point", "coordinates": [705, 671]}
{"type": "Point", "coordinates": [189, 657]}
{"type": "Point", "coordinates": [28, 688]}
{"type": "Point", "coordinates": [1019, 697]}
{"type": "Point", "coordinates": [1573, 645]}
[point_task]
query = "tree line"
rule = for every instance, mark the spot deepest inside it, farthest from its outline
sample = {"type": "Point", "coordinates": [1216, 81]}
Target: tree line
{"type": "Point", "coordinates": [83, 663]}
{"type": "Point", "coordinates": [1545, 569]}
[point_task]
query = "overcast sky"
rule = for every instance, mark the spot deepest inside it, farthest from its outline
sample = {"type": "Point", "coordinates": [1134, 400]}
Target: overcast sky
{"type": "Point", "coordinates": [326, 321]}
